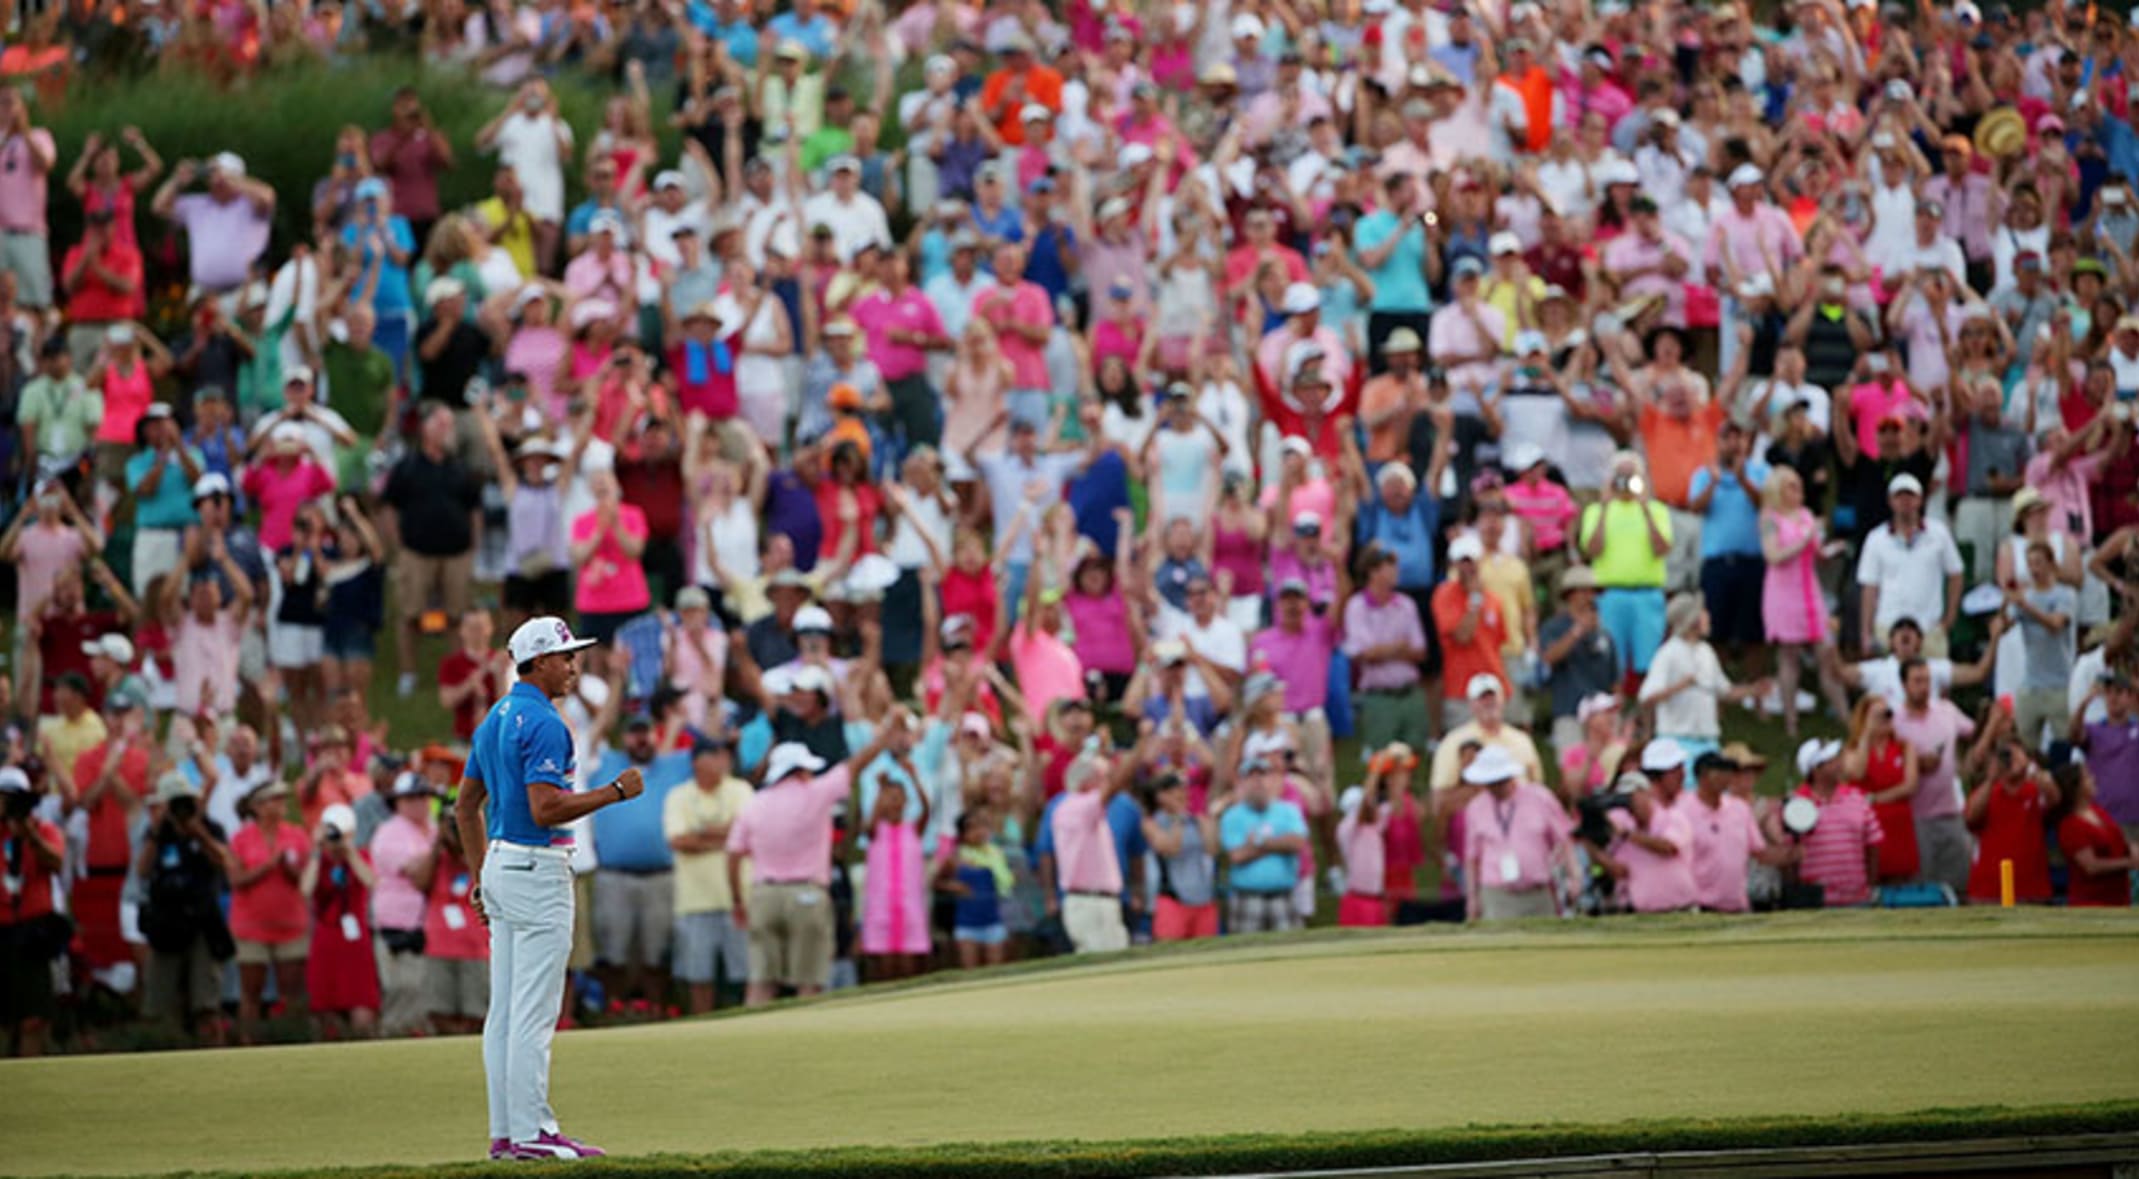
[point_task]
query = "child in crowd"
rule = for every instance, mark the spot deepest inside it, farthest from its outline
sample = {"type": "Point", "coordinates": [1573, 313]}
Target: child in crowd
{"type": "Point", "coordinates": [977, 875]}
{"type": "Point", "coordinates": [895, 931]}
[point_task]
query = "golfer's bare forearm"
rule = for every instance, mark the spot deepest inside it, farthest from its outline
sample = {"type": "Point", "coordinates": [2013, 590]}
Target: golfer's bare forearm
{"type": "Point", "coordinates": [468, 815]}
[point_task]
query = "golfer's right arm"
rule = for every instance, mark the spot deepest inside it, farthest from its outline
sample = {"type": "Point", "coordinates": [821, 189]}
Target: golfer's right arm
{"type": "Point", "coordinates": [552, 805]}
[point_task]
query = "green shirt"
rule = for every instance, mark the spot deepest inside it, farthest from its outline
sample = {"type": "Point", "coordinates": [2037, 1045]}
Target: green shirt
{"type": "Point", "coordinates": [65, 412]}
{"type": "Point", "coordinates": [824, 143]}
{"type": "Point", "coordinates": [358, 381]}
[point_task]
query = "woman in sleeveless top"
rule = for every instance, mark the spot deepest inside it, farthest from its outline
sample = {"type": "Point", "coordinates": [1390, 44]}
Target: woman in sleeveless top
{"type": "Point", "coordinates": [768, 339]}
{"type": "Point", "coordinates": [1792, 606]}
{"type": "Point", "coordinates": [1884, 766]}
{"type": "Point", "coordinates": [1239, 541]}
{"type": "Point", "coordinates": [979, 380]}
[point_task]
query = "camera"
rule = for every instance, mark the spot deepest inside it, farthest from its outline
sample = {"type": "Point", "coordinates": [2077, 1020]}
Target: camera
{"type": "Point", "coordinates": [19, 804]}
{"type": "Point", "coordinates": [1591, 825]}
{"type": "Point", "coordinates": [183, 810]}
{"type": "Point", "coordinates": [334, 835]}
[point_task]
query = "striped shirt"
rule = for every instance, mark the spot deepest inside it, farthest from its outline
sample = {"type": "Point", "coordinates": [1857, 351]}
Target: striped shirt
{"type": "Point", "coordinates": [1834, 851]}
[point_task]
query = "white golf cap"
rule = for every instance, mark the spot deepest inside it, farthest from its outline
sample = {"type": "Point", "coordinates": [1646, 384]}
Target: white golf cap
{"type": "Point", "coordinates": [1483, 684]}
{"type": "Point", "coordinates": [1493, 764]}
{"type": "Point", "coordinates": [1524, 455]}
{"type": "Point", "coordinates": [1033, 112]}
{"type": "Point", "coordinates": [212, 483]}
{"type": "Point", "coordinates": [1530, 340]}
{"type": "Point", "coordinates": [1815, 753]}
{"type": "Point", "coordinates": [669, 178]}
{"type": "Point", "coordinates": [443, 288]}
{"type": "Point", "coordinates": [1113, 207]}
{"type": "Point", "coordinates": [1294, 444]}
{"type": "Point", "coordinates": [340, 816]}
{"type": "Point", "coordinates": [1302, 298]}
{"type": "Point", "coordinates": [115, 647]}
{"type": "Point", "coordinates": [1662, 755]}
{"type": "Point", "coordinates": [298, 374]}
{"type": "Point", "coordinates": [119, 333]}
{"type": "Point", "coordinates": [788, 758]}
{"type": "Point", "coordinates": [1466, 548]}
{"type": "Point", "coordinates": [1504, 243]}
{"type": "Point", "coordinates": [813, 619]}
{"type": "Point", "coordinates": [14, 780]}
{"type": "Point", "coordinates": [606, 222]}
{"type": "Point", "coordinates": [1904, 483]}
{"type": "Point", "coordinates": [810, 678]}
{"type": "Point", "coordinates": [1745, 174]}
{"type": "Point", "coordinates": [229, 163]}
{"type": "Point", "coordinates": [940, 63]}
{"type": "Point", "coordinates": [543, 636]}
{"type": "Point", "coordinates": [1247, 24]}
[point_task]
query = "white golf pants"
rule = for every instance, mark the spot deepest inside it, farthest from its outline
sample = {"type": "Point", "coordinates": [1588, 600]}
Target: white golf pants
{"type": "Point", "coordinates": [527, 894]}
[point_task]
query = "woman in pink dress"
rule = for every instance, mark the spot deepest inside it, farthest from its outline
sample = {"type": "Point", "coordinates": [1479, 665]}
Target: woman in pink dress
{"type": "Point", "coordinates": [1790, 601]}
{"type": "Point", "coordinates": [896, 889]}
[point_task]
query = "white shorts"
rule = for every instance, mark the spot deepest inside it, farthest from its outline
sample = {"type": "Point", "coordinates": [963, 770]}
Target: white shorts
{"type": "Point", "coordinates": [295, 647]}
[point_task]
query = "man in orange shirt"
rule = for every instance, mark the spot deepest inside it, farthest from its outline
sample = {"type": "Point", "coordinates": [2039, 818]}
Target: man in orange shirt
{"type": "Point", "coordinates": [1679, 433]}
{"type": "Point", "coordinates": [1021, 80]}
{"type": "Point", "coordinates": [1388, 402]}
{"type": "Point", "coordinates": [1471, 627]}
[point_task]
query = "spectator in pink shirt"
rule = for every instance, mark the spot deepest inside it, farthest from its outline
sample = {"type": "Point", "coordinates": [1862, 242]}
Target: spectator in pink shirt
{"type": "Point", "coordinates": [1087, 868]}
{"type": "Point", "coordinates": [1841, 852]}
{"type": "Point", "coordinates": [1726, 838]}
{"type": "Point", "coordinates": [1513, 833]}
{"type": "Point", "coordinates": [287, 481]}
{"type": "Point", "coordinates": [785, 830]}
{"type": "Point", "coordinates": [1022, 318]}
{"type": "Point", "coordinates": [401, 853]}
{"type": "Point", "coordinates": [1649, 853]}
{"type": "Point", "coordinates": [902, 327]}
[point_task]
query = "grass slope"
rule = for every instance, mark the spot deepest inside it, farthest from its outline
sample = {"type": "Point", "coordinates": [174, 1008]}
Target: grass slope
{"type": "Point", "coordinates": [1687, 1027]}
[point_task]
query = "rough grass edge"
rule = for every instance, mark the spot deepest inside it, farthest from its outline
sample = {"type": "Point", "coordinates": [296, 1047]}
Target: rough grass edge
{"type": "Point", "coordinates": [1237, 1153]}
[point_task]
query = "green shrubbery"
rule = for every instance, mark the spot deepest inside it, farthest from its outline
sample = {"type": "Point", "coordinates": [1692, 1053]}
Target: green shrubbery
{"type": "Point", "coordinates": [284, 123]}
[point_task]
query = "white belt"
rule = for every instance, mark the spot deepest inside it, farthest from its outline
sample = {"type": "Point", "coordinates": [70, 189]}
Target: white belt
{"type": "Point", "coordinates": [552, 853]}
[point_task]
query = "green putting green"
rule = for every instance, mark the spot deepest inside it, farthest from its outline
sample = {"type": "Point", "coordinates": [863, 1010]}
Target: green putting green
{"type": "Point", "coordinates": [1593, 1023]}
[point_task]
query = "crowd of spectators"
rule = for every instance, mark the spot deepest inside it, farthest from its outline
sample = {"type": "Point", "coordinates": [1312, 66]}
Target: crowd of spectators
{"type": "Point", "coordinates": [1047, 477]}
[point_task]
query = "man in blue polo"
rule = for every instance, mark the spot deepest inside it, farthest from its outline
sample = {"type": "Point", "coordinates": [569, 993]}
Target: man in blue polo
{"type": "Point", "coordinates": [515, 801]}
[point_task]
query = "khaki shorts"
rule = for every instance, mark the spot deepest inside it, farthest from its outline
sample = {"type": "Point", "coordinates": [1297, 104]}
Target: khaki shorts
{"type": "Point", "coordinates": [419, 581]}
{"type": "Point", "coordinates": [264, 953]}
{"type": "Point", "coordinates": [790, 934]}
{"type": "Point", "coordinates": [178, 985]}
{"type": "Point", "coordinates": [457, 986]}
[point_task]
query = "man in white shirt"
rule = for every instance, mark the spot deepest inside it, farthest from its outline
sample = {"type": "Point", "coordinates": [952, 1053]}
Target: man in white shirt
{"type": "Point", "coordinates": [856, 218]}
{"type": "Point", "coordinates": [1686, 684]}
{"type": "Point", "coordinates": [672, 209]}
{"type": "Point", "coordinates": [1209, 633]}
{"type": "Point", "coordinates": [770, 219]}
{"type": "Point", "coordinates": [1905, 642]}
{"type": "Point", "coordinates": [534, 141]}
{"type": "Point", "coordinates": [322, 428]}
{"type": "Point", "coordinates": [1910, 568]}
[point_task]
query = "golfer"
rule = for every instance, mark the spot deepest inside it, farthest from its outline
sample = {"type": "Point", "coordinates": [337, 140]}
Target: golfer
{"type": "Point", "coordinates": [517, 791]}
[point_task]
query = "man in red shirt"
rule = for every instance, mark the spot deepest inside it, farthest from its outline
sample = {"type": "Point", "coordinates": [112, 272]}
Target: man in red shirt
{"type": "Point", "coordinates": [31, 848]}
{"type": "Point", "coordinates": [67, 624]}
{"type": "Point", "coordinates": [101, 277]}
{"type": "Point", "coordinates": [651, 477]}
{"type": "Point", "coordinates": [474, 676]}
{"type": "Point", "coordinates": [411, 153]}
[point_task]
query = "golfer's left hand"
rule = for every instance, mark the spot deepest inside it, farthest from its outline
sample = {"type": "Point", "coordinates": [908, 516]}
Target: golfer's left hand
{"type": "Point", "coordinates": [475, 902]}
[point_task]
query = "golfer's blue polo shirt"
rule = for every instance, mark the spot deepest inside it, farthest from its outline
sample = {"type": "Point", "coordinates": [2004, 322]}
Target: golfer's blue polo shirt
{"type": "Point", "coordinates": [521, 741]}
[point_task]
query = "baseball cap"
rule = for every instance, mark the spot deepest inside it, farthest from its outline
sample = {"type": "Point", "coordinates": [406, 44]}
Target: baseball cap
{"type": "Point", "coordinates": [1493, 764]}
{"type": "Point", "coordinates": [1743, 175]}
{"type": "Point", "coordinates": [1595, 704]}
{"type": "Point", "coordinates": [1904, 483]}
{"type": "Point", "coordinates": [543, 636]}
{"type": "Point", "coordinates": [691, 597]}
{"type": "Point", "coordinates": [1815, 753]}
{"type": "Point", "coordinates": [1504, 243]}
{"type": "Point", "coordinates": [1466, 548]}
{"type": "Point", "coordinates": [13, 780]}
{"type": "Point", "coordinates": [1301, 298]}
{"type": "Point", "coordinates": [1402, 339]}
{"type": "Point", "coordinates": [669, 178]}
{"type": "Point", "coordinates": [789, 758]}
{"type": "Point", "coordinates": [339, 817]}
{"type": "Point", "coordinates": [1468, 266]}
{"type": "Point", "coordinates": [115, 647]}
{"type": "Point", "coordinates": [1481, 685]}
{"type": "Point", "coordinates": [1662, 756]}
{"type": "Point", "coordinates": [813, 620]}
{"type": "Point", "coordinates": [174, 785]}
{"type": "Point", "coordinates": [213, 483]}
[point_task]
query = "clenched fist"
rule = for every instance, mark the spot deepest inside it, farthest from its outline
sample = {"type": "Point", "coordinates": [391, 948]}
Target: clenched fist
{"type": "Point", "coordinates": [630, 784]}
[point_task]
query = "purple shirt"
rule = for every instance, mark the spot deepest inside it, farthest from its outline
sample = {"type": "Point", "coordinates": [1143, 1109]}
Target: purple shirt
{"type": "Point", "coordinates": [2113, 755]}
{"type": "Point", "coordinates": [223, 238]}
{"type": "Point", "coordinates": [1368, 625]}
{"type": "Point", "coordinates": [1102, 627]}
{"type": "Point", "coordinates": [1299, 661]}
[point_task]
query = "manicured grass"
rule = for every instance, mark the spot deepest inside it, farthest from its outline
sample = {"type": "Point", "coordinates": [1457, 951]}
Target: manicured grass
{"type": "Point", "coordinates": [1402, 1045]}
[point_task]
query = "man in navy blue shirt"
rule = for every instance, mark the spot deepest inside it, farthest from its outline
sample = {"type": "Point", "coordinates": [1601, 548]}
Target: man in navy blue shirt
{"type": "Point", "coordinates": [515, 801]}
